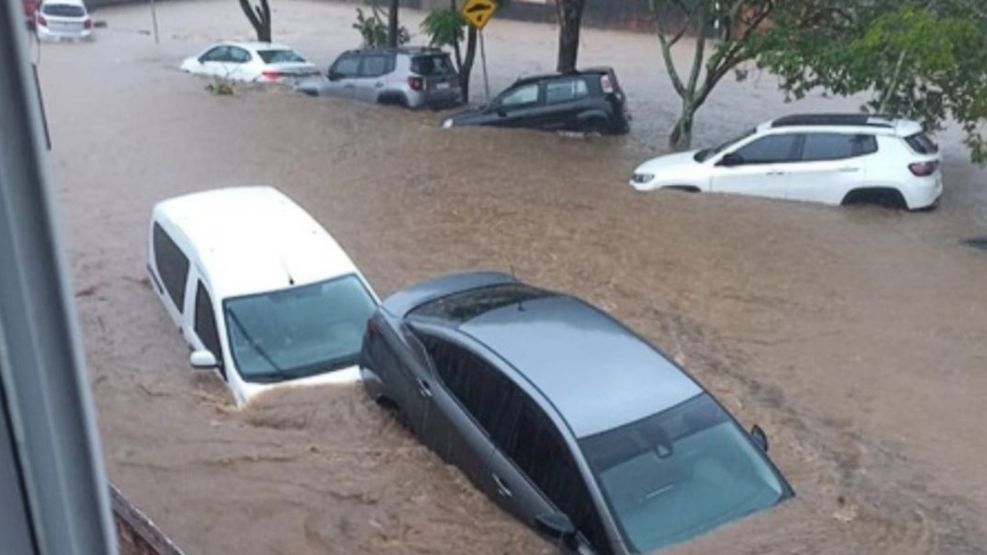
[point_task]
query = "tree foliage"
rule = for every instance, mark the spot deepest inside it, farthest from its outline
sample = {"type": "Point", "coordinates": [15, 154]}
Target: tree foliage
{"type": "Point", "coordinates": [925, 60]}
{"type": "Point", "coordinates": [736, 22]}
{"type": "Point", "coordinates": [375, 31]}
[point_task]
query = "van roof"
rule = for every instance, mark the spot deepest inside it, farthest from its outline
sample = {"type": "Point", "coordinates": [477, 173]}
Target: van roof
{"type": "Point", "coordinates": [249, 240]}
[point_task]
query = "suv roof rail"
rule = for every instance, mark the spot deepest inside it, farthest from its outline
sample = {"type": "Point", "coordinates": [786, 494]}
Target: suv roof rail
{"type": "Point", "coordinates": [866, 120]}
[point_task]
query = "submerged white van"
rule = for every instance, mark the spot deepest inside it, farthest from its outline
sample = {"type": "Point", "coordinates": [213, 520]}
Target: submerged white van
{"type": "Point", "coordinates": [262, 294]}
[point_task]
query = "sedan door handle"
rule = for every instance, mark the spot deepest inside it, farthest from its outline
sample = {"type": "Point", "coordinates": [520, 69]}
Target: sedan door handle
{"type": "Point", "coordinates": [849, 170]}
{"type": "Point", "coordinates": [378, 84]}
{"type": "Point", "coordinates": [502, 488]}
{"type": "Point", "coordinates": [424, 389]}
{"type": "Point", "coordinates": [776, 172]}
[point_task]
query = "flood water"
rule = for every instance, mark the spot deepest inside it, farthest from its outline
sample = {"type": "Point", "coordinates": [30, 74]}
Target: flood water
{"type": "Point", "coordinates": [855, 337]}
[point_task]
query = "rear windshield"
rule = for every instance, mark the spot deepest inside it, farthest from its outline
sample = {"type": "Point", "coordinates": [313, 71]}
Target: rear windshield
{"type": "Point", "coordinates": [461, 307]}
{"type": "Point", "coordinates": [280, 56]}
{"type": "Point", "coordinates": [438, 64]}
{"type": "Point", "coordinates": [63, 10]}
{"type": "Point", "coordinates": [922, 144]}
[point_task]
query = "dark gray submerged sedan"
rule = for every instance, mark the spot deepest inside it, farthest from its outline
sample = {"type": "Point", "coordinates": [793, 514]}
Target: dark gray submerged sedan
{"type": "Point", "coordinates": [565, 417]}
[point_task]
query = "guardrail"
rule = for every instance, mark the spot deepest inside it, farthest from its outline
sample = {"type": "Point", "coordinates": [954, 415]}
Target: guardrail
{"type": "Point", "coordinates": [137, 533]}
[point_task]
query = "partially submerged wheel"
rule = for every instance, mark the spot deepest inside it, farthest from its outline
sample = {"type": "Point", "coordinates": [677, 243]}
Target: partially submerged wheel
{"type": "Point", "coordinates": [887, 198]}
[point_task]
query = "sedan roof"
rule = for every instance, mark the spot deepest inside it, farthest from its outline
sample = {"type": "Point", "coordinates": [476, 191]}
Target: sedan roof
{"type": "Point", "coordinates": [597, 373]}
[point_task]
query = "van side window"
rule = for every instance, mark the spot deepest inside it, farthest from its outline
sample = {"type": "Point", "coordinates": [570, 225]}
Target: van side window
{"type": "Point", "coordinates": [172, 265]}
{"type": "Point", "coordinates": [205, 325]}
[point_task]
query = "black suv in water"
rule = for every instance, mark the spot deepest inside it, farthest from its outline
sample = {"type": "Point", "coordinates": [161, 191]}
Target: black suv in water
{"type": "Point", "coordinates": [590, 101]}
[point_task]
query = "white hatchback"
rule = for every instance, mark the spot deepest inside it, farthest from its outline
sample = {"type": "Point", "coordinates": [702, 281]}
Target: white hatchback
{"type": "Point", "coordinates": [262, 294]}
{"type": "Point", "coordinates": [63, 20]}
{"type": "Point", "coordinates": [261, 62]}
{"type": "Point", "coordinates": [828, 158]}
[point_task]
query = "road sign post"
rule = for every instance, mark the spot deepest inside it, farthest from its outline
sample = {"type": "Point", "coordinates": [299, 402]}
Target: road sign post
{"type": "Point", "coordinates": [478, 13]}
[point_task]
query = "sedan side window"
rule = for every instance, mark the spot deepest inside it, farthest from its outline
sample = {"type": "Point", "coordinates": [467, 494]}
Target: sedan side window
{"type": "Point", "coordinates": [478, 387]}
{"type": "Point", "coordinates": [218, 54]}
{"type": "Point", "coordinates": [345, 67]}
{"type": "Point", "coordinates": [239, 55]}
{"type": "Point", "coordinates": [769, 150]}
{"type": "Point", "coordinates": [205, 325]}
{"type": "Point", "coordinates": [526, 95]}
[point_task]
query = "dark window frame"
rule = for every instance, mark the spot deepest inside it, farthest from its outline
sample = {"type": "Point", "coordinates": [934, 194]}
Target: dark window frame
{"type": "Point", "coordinates": [567, 80]}
{"type": "Point", "coordinates": [860, 144]}
{"type": "Point", "coordinates": [539, 101]}
{"type": "Point", "coordinates": [794, 154]}
{"type": "Point", "coordinates": [334, 68]}
{"type": "Point", "coordinates": [503, 429]}
{"type": "Point", "coordinates": [388, 66]}
{"type": "Point", "coordinates": [169, 278]}
{"type": "Point", "coordinates": [205, 317]}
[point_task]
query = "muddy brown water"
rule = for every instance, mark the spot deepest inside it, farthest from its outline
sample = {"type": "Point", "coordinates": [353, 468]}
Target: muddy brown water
{"type": "Point", "coordinates": [856, 337]}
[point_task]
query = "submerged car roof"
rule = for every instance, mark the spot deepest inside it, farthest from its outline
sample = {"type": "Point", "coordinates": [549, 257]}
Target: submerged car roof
{"type": "Point", "coordinates": [253, 240]}
{"type": "Point", "coordinates": [587, 71]}
{"type": "Point", "coordinates": [595, 372]}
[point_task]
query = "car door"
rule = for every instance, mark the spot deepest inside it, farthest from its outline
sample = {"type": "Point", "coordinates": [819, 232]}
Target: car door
{"type": "Point", "coordinates": [760, 167]}
{"type": "Point", "coordinates": [370, 81]}
{"type": "Point", "coordinates": [240, 66]}
{"type": "Point", "coordinates": [204, 326]}
{"type": "Point", "coordinates": [521, 106]}
{"type": "Point", "coordinates": [564, 102]}
{"type": "Point", "coordinates": [341, 76]}
{"type": "Point", "coordinates": [832, 164]}
{"type": "Point", "coordinates": [214, 61]}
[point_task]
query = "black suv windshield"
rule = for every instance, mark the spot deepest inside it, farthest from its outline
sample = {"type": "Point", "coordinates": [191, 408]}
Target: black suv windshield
{"type": "Point", "coordinates": [298, 332]}
{"type": "Point", "coordinates": [679, 473]}
{"type": "Point", "coordinates": [433, 65]}
{"type": "Point", "coordinates": [460, 307]}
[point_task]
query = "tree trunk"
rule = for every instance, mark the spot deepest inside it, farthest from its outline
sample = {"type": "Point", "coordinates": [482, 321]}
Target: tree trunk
{"type": "Point", "coordinates": [570, 21]}
{"type": "Point", "coordinates": [392, 24]}
{"type": "Point", "coordinates": [259, 17]}
{"type": "Point", "coordinates": [467, 67]}
{"type": "Point", "coordinates": [681, 137]}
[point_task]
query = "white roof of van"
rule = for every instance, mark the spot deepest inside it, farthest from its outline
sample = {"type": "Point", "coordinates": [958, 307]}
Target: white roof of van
{"type": "Point", "coordinates": [253, 239]}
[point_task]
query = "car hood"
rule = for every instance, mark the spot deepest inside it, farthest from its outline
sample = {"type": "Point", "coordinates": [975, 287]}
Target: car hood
{"type": "Point", "coordinates": [669, 163]}
{"type": "Point", "coordinates": [471, 116]}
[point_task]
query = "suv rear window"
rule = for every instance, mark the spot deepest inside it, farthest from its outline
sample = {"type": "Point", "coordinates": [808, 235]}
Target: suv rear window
{"type": "Point", "coordinates": [922, 144]}
{"type": "Point", "coordinates": [428, 66]}
{"type": "Point", "coordinates": [460, 307]}
{"type": "Point", "coordinates": [63, 10]}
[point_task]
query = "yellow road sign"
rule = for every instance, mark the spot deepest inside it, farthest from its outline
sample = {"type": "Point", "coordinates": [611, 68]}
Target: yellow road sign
{"type": "Point", "coordinates": [479, 12]}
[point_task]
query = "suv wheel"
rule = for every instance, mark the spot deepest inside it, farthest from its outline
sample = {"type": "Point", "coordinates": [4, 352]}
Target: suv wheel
{"type": "Point", "coordinates": [888, 198]}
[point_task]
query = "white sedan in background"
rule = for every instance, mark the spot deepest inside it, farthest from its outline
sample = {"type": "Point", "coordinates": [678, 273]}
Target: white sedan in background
{"type": "Point", "coordinates": [262, 62]}
{"type": "Point", "coordinates": [827, 158]}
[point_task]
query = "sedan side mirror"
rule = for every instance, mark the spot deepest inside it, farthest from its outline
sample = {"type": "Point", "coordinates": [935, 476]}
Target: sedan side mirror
{"type": "Point", "coordinates": [203, 360]}
{"type": "Point", "coordinates": [333, 75]}
{"type": "Point", "coordinates": [731, 159]}
{"type": "Point", "coordinates": [759, 437]}
{"type": "Point", "coordinates": [555, 525]}
{"type": "Point", "coordinates": [500, 112]}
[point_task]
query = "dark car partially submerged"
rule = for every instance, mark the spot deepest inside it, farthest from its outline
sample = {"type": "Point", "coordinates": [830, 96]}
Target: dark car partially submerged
{"type": "Point", "coordinates": [569, 420]}
{"type": "Point", "coordinates": [589, 101]}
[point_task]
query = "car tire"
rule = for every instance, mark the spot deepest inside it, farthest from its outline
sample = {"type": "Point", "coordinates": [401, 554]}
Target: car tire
{"type": "Point", "coordinates": [885, 197]}
{"type": "Point", "coordinates": [595, 128]}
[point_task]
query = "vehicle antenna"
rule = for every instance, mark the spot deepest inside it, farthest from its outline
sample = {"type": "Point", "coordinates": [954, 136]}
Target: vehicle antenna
{"type": "Point", "coordinates": [520, 303]}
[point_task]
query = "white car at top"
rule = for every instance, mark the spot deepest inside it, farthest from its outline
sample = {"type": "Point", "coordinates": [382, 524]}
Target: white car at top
{"type": "Point", "coordinates": [261, 293]}
{"type": "Point", "coordinates": [827, 158]}
{"type": "Point", "coordinates": [261, 62]}
{"type": "Point", "coordinates": [63, 20]}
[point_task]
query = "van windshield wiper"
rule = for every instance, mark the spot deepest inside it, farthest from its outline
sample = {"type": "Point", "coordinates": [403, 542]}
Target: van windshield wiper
{"type": "Point", "coordinates": [250, 339]}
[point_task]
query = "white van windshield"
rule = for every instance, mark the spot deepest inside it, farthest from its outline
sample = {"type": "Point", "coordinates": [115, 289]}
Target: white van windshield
{"type": "Point", "coordinates": [298, 332]}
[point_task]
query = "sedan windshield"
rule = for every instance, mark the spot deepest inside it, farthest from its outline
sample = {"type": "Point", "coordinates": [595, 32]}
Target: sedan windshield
{"type": "Point", "coordinates": [280, 56]}
{"type": "Point", "coordinates": [679, 473]}
{"type": "Point", "coordinates": [707, 153]}
{"type": "Point", "coordinates": [298, 332]}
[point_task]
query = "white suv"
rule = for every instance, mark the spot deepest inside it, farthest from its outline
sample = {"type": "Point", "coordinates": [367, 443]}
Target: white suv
{"type": "Point", "coordinates": [828, 158]}
{"type": "Point", "coordinates": [262, 294]}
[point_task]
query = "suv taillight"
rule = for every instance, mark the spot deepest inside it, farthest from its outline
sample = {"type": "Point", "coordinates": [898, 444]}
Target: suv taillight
{"type": "Point", "coordinates": [923, 169]}
{"type": "Point", "coordinates": [416, 83]}
{"type": "Point", "coordinates": [607, 84]}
